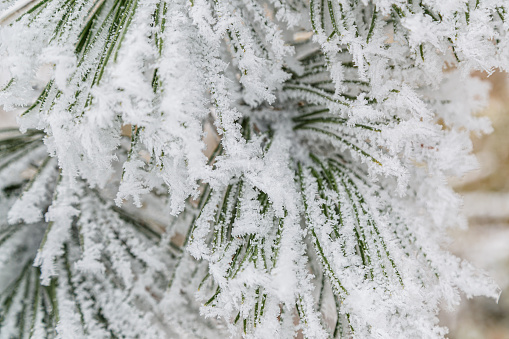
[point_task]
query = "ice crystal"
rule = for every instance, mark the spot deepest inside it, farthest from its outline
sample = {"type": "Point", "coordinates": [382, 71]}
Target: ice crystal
{"type": "Point", "coordinates": [247, 168]}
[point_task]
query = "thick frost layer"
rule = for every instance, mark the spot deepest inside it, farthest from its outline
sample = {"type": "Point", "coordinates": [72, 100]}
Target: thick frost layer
{"type": "Point", "coordinates": [301, 149]}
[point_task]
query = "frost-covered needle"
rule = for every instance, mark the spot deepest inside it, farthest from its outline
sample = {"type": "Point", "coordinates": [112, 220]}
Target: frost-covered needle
{"type": "Point", "coordinates": [17, 9]}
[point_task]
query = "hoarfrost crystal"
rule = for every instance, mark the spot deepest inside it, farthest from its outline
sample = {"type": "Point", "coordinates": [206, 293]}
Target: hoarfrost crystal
{"type": "Point", "coordinates": [248, 168]}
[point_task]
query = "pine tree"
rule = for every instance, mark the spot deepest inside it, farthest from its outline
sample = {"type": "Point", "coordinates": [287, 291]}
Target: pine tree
{"type": "Point", "coordinates": [253, 168]}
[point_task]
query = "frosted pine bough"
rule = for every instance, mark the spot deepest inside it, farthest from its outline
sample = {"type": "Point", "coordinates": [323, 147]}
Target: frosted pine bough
{"type": "Point", "coordinates": [330, 128]}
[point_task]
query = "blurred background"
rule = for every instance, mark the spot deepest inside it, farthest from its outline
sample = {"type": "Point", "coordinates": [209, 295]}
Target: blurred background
{"type": "Point", "coordinates": [486, 242]}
